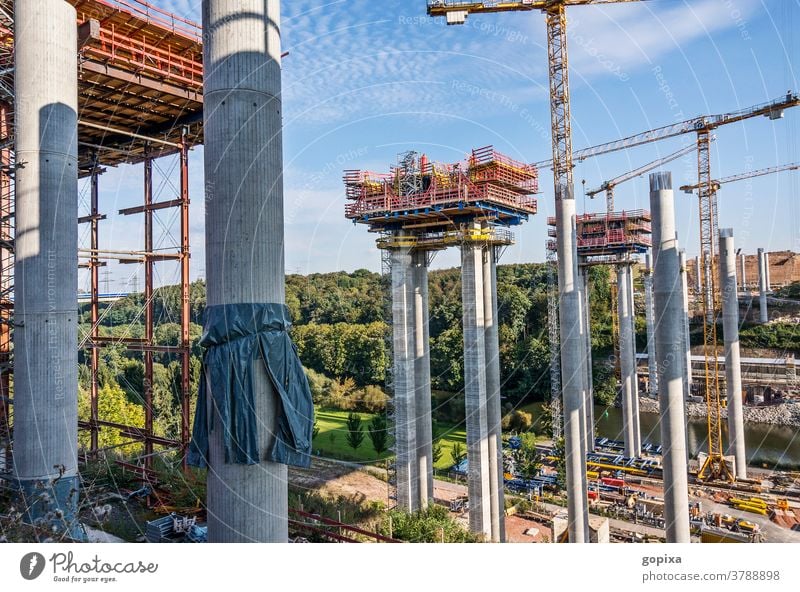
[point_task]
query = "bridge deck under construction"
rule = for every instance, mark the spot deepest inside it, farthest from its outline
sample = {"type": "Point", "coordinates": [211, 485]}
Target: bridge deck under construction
{"type": "Point", "coordinates": [423, 196]}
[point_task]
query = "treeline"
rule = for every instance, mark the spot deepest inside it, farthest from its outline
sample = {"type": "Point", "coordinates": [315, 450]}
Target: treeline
{"type": "Point", "coordinates": [340, 329]}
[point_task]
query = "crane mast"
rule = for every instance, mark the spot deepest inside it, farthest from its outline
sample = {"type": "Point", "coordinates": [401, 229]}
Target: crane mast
{"type": "Point", "coordinates": [715, 466]}
{"type": "Point", "coordinates": [560, 115]}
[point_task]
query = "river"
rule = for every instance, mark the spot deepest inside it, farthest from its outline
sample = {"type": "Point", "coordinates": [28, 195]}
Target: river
{"type": "Point", "coordinates": [768, 446]}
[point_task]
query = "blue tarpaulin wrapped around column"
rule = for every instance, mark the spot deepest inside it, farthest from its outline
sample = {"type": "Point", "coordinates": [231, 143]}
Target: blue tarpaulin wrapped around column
{"type": "Point", "coordinates": [236, 338]}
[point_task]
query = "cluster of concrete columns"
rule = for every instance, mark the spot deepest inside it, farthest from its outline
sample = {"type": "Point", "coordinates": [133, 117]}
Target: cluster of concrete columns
{"type": "Point", "coordinates": [482, 390]}
{"type": "Point", "coordinates": [412, 390]}
{"type": "Point", "coordinates": [632, 435]}
{"type": "Point", "coordinates": [46, 266]}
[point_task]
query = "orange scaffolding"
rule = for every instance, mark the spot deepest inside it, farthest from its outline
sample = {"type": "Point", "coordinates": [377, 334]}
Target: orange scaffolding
{"type": "Point", "coordinates": [420, 191]}
{"type": "Point", "coordinates": [140, 83]}
{"type": "Point", "coordinates": [600, 235]}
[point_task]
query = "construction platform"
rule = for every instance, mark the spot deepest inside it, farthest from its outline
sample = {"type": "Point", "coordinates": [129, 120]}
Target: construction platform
{"type": "Point", "coordinates": [140, 85]}
{"type": "Point", "coordinates": [436, 201]}
{"type": "Point", "coordinates": [140, 80]}
{"type": "Point", "coordinates": [604, 235]}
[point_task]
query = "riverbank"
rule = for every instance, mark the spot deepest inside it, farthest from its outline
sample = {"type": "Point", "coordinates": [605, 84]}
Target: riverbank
{"type": "Point", "coordinates": [786, 414]}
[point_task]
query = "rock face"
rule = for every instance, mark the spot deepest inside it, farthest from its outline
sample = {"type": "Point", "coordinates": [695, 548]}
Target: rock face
{"type": "Point", "coordinates": [786, 414]}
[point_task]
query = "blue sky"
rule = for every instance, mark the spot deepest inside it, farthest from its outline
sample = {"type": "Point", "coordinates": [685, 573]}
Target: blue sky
{"type": "Point", "coordinates": [365, 80]}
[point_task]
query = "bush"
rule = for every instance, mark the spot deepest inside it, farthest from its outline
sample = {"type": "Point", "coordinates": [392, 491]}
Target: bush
{"type": "Point", "coordinates": [372, 399]}
{"type": "Point", "coordinates": [433, 525]}
{"type": "Point", "coordinates": [320, 385]}
{"type": "Point", "coordinates": [517, 421]}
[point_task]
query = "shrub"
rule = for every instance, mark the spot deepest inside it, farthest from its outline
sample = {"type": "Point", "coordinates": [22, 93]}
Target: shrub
{"type": "Point", "coordinates": [373, 399]}
{"type": "Point", "coordinates": [432, 525]}
{"type": "Point", "coordinates": [355, 431]}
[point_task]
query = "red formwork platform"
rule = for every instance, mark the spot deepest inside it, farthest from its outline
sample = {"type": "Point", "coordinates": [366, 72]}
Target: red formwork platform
{"type": "Point", "coordinates": [603, 234]}
{"type": "Point", "coordinates": [486, 182]}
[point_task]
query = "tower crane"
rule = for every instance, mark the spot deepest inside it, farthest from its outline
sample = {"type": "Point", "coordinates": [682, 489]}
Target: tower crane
{"type": "Point", "coordinates": [456, 12]}
{"type": "Point", "coordinates": [715, 467]}
{"type": "Point", "coordinates": [742, 176]}
{"type": "Point", "coordinates": [608, 186]}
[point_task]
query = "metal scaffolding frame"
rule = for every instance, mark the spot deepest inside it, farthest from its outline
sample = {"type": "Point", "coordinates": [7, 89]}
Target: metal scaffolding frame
{"type": "Point", "coordinates": [140, 99]}
{"type": "Point", "coordinates": [97, 258]}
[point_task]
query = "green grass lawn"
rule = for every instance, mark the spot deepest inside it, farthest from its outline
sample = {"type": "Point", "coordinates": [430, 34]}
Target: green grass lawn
{"type": "Point", "coordinates": [332, 439]}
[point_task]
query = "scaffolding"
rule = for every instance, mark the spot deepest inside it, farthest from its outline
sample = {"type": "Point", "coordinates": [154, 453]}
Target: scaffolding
{"type": "Point", "coordinates": [6, 228]}
{"type": "Point", "coordinates": [616, 234]}
{"type": "Point", "coordinates": [420, 194]}
{"type": "Point", "coordinates": [140, 82]}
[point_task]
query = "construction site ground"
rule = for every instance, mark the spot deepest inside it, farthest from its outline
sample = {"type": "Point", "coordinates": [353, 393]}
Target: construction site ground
{"type": "Point", "coordinates": [367, 484]}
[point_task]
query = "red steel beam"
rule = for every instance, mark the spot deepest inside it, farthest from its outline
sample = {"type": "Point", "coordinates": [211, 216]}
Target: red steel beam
{"type": "Point", "coordinates": [185, 299]}
{"type": "Point", "coordinates": [94, 270]}
{"type": "Point", "coordinates": [148, 310]}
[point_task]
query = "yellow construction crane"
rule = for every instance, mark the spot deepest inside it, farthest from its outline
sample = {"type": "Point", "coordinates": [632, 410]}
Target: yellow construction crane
{"type": "Point", "coordinates": [742, 176]}
{"type": "Point", "coordinates": [715, 466]}
{"type": "Point", "coordinates": [608, 186]}
{"type": "Point", "coordinates": [456, 12]}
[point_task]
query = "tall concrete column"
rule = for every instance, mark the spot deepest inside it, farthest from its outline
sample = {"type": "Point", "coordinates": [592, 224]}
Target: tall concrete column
{"type": "Point", "coordinates": [652, 374]}
{"type": "Point", "coordinates": [494, 411]}
{"type": "Point", "coordinates": [586, 329]}
{"type": "Point", "coordinates": [46, 266]}
{"type": "Point", "coordinates": [584, 382]}
{"type": "Point", "coordinates": [687, 344]}
{"type": "Point", "coordinates": [763, 286]}
{"type": "Point", "coordinates": [669, 313]}
{"type": "Point", "coordinates": [631, 299]}
{"type": "Point", "coordinates": [627, 363]}
{"type": "Point", "coordinates": [422, 380]}
{"type": "Point", "coordinates": [244, 239]}
{"type": "Point", "coordinates": [572, 352]}
{"type": "Point", "coordinates": [478, 477]}
{"type": "Point", "coordinates": [733, 364]}
{"type": "Point", "coordinates": [743, 277]}
{"type": "Point", "coordinates": [405, 350]}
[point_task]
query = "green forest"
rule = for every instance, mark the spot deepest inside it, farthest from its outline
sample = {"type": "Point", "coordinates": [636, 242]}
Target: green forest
{"type": "Point", "coordinates": [340, 331]}
{"type": "Point", "coordinates": [341, 334]}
